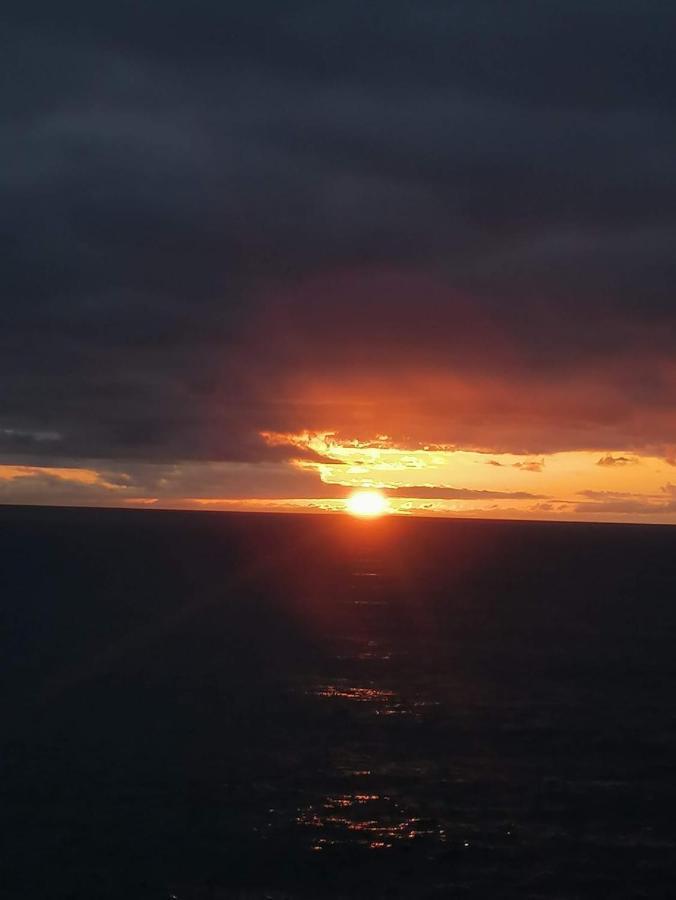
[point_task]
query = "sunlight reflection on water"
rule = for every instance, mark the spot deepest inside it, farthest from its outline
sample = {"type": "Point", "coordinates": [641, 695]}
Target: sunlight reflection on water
{"type": "Point", "coordinates": [371, 820]}
{"type": "Point", "coordinates": [367, 681]}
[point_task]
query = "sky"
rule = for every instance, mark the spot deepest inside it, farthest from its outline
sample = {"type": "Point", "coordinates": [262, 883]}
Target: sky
{"type": "Point", "coordinates": [256, 255]}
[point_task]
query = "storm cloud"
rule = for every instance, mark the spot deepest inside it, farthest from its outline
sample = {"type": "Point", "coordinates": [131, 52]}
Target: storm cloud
{"type": "Point", "coordinates": [446, 222]}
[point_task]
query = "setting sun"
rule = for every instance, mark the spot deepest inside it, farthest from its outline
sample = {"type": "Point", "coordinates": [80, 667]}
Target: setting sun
{"type": "Point", "coordinates": [367, 504]}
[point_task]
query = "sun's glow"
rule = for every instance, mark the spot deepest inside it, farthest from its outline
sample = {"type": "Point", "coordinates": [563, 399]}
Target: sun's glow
{"type": "Point", "coordinates": [367, 504]}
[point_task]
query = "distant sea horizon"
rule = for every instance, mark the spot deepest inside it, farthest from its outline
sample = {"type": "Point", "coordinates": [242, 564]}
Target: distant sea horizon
{"type": "Point", "coordinates": [396, 514]}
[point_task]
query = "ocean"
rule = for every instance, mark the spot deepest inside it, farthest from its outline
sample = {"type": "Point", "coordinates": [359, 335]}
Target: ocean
{"type": "Point", "coordinates": [228, 705]}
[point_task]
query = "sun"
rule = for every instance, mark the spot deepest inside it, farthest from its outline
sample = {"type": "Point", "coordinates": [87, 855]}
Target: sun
{"type": "Point", "coordinates": [367, 504]}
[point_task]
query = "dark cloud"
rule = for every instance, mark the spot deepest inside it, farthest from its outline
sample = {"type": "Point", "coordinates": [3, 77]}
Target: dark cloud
{"type": "Point", "coordinates": [610, 460]}
{"type": "Point", "coordinates": [427, 491]}
{"type": "Point", "coordinates": [45, 489]}
{"type": "Point", "coordinates": [449, 222]}
{"type": "Point", "coordinates": [634, 507]}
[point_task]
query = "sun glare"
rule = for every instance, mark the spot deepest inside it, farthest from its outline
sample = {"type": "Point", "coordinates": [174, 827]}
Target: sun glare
{"type": "Point", "coordinates": [367, 504]}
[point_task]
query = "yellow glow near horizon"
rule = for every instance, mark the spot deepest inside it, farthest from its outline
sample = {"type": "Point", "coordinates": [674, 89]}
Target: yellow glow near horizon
{"type": "Point", "coordinates": [613, 483]}
{"type": "Point", "coordinates": [367, 504]}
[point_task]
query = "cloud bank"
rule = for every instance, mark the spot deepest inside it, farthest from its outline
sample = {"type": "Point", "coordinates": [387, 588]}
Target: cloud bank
{"type": "Point", "coordinates": [453, 224]}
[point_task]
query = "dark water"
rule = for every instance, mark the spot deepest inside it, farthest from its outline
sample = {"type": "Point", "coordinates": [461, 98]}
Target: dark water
{"type": "Point", "coordinates": [219, 706]}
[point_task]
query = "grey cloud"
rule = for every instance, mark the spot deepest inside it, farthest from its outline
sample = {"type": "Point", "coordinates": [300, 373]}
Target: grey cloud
{"type": "Point", "coordinates": [451, 493]}
{"type": "Point", "coordinates": [170, 172]}
{"type": "Point", "coordinates": [637, 506]}
{"type": "Point", "coordinates": [610, 460]}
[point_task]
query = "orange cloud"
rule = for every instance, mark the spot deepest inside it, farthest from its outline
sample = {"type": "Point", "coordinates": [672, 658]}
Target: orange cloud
{"type": "Point", "coordinates": [531, 465]}
{"type": "Point", "coordinates": [610, 460]}
{"type": "Point", "coordinates": [75, 476]}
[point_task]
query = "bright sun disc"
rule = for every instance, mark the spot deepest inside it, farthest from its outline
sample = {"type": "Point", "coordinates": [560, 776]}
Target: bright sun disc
{"type": "Point", "coordinates": [367, 504]}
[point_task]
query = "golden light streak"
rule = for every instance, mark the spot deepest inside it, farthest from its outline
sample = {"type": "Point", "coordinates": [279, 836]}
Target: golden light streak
{"type": "Point", "coordinates": [77, 476]}
{"type": "Point", "coordinates": [606, 484]}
